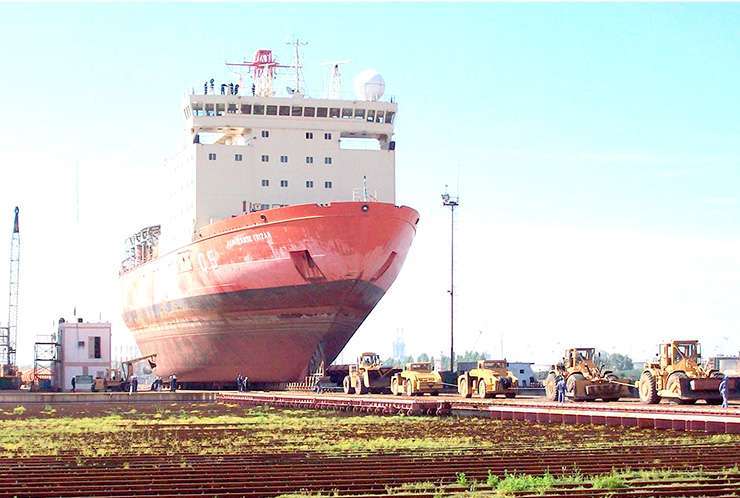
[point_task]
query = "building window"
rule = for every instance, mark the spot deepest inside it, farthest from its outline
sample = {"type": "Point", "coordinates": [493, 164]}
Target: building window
{"type": "Point", "coordinates": [327, 136]}
{"type": "Point", "coordinates": [94, 348]}
{"type": "Point", "coordinates": [237, 157]}
{"type": "Point", "coordinates": [265, 133]}
{"type": "Point", "coordinates": [283, 183]}
{"type": "Point", "coordinates": [265, 183]}
{"type": "Point", "coordinates": [327, 184]}
{"type": "Point", "coordinates": [309, 112]}
{"type": "Point", "coordinates": [265, 158]}
{"type": "Point", "coordinates": [309, 183]}
{"type": "Point", "coordinates": [283, 159]}
{"type": "Point", "coordinates": [327, 160]}
{"type": "Point", "coordinates": [309, 160]}
{"type": "Point", "coordinates": [309, 135]}
{"type": "Point", "coordinates": [211, 156]}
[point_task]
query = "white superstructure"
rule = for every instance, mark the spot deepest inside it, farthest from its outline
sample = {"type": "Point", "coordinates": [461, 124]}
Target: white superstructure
{"type": "Point", "coordinates": [251, 152]}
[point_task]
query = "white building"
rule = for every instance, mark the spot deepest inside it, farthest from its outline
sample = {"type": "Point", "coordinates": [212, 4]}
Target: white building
{"type": "Point", "coordinates": [245, 153]}
{"type": "Point", "coordinates": [85, 350]}
{"type": "Point", "coordinates": [522, 371]}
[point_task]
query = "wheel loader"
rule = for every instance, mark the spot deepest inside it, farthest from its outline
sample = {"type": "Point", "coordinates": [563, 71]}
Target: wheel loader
{"type": "Point", "coordinates": [416, 379]}
{"type": "Point", "coordinates": [676, 374]}
{"type": "Point", "coordinates": [490, 378]}
{"type": "Point", "coordinates": [584, 379]}
{"type": "Point", "coordinates": [368, 375]}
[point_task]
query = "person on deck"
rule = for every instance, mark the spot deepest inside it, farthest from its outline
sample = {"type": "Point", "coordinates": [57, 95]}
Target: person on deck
{"type": "Point", "coordinates": [560, 388]}
{"type": "Point", "coordinates": [723, 391]}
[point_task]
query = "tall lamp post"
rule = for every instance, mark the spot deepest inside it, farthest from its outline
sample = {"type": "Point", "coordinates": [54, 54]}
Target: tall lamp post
{"type": "Point", "coordinates": [452, 203]}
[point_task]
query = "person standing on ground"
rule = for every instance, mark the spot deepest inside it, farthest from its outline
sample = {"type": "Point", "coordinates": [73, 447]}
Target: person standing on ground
{"type": "Point", "coordinates": [560, 387]}
{"type": "Point", "coordinates": [173, 383]}
{"type": "Point", "coordinates": [239, 383]}
{"type": "Point", "coordinates": [74, 384]}
{"type": "Point", "coordinates": [723, 390]}
{"type": "Point", "coordinates": [245, 383]}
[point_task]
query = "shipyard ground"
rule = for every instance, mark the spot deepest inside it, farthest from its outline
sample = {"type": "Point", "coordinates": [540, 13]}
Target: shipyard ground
{"type": "Point", "coordinates": [161, 444]}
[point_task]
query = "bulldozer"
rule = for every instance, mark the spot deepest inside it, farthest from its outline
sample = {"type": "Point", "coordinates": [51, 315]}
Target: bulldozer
{"type": "Point", "coordinates": [490, 378]}
{"type": "Point", "coordinates": [417, 378]}
{"type": "Point", "coordinates": [676, 374]}
{"type": "Point", "coordinates": [119, 380]}
{"type": "Point", "coordinates": [584, 379]}
{"type": "Point", "coordinates": [368, 375]}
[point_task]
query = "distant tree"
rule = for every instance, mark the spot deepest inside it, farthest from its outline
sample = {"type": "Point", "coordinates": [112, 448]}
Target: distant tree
{"type": "Point", "coordinates": [616, 362]}
{"type": "Point", "coordinates": [423, 357]}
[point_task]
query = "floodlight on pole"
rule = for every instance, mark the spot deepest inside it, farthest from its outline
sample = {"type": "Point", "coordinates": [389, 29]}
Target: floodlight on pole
{"type": "Point", "coordinates": [452, 203]}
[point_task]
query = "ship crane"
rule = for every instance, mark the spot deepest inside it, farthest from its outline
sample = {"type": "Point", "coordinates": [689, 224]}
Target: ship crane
{"type": "Point", "coordinates": [9, 371]}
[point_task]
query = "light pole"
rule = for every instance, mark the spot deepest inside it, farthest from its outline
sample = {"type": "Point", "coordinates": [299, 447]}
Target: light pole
{"type": "Point", "coordinates": [452, 203]}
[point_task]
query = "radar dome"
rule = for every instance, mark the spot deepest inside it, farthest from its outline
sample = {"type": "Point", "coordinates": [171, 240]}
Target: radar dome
{"type": "Point", "coordinates": [369, 85]}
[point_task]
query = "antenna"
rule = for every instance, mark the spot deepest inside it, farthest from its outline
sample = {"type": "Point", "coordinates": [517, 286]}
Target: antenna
{"type": "Point", "coordinates": [263, 71]}
{"type": "Point", "coordinates": [297, 44]}
{"type": "Point", "coordinates": [334, 88]}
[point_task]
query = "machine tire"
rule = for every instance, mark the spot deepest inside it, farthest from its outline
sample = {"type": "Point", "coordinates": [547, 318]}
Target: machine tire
{"type": "Point", "coordinates": [648, 389]}
{"type": "Point", "coordinates": [360, 387]}
{"type": "Point", "coordinates": [570, 384]}
{"type": "Point", "coordinates": [394, 387]}
{"type": "Point", "coordinates": [610, 400]}
{"type": "Point", "coordinates": [482, 389]}
{"type": "Point", "coordinates": [463, 387]}
{"type": "Point", "coordinates": [673, 379]}
{"type": "Point", "coordinates": [551, 393]}
{"type": "Point", "coordinates": [434, 393]}
{"type": "Point", "coordinates": [713, 401]}
{"type": "Point", "coordinates": [511, 395]}
{"type": "Point", "coordinates": [408, 388]}
{"type": "Point", "coordinates": [347, 386]}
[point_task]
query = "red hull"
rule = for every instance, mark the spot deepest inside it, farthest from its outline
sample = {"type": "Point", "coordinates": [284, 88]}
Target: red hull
{"type": "Point", "coordinates": [270, 294]}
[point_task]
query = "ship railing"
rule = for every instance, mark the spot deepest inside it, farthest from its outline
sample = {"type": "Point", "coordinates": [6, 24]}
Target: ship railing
{"type": "Point", "coordinates": [362, 195]}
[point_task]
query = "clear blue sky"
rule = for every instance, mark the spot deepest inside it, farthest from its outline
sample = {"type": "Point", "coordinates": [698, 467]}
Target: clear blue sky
{"type": "Point", "coordinates": [596, 149]}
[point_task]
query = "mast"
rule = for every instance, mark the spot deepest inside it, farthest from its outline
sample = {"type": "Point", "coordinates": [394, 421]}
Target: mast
{"type": "Point", "coordinates": [9, 343]}
{"type": "Point", "coordinates": [297, 44]}
{"type": "Point", "coordinates": [452, 203]}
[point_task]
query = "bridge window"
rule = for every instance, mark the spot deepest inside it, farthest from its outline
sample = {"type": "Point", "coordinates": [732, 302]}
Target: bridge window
{"type": "Point", "coordinates": [296, 111]}
{"type": "Point", "coordinates": [370, 116]}
{"type": "Point", "coordinates": [360, 113]}
{"type": "Point", "coordinates": [231, 109]}
{"type": "Point", "coordinates": [321, 112]}
{"type": "Point", "coordinates": [389, 117]}
{"type": "Point", "coordinates": [259, 109]}
{"type": "Point", "coordinates": [284, 110]}
{"type": "Point", "coordinates": [220, 109]}
{"type": "Point", "coordinates": [333, 112]}
{"type": "Point", "coordinates": [209, 109]}
{"type": "Point", "coordinates": [309, 112]}
{"type": "Point", "coordinates": [246, 109]}
{"type": "Point", "coordinates": [380, 117]}
{"type": "Point", "coordinates": [346, 113]}
{"type": "Point", "coordinates": [272, 110]}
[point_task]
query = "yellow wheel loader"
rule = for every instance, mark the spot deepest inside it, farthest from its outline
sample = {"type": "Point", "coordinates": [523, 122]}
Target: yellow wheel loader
{"type": "Point", "coordinates": [368, 376]}
{"type": "Point", "coordinates": [676, 374]}
{"type": "Point", "coordinates": [584, 379]}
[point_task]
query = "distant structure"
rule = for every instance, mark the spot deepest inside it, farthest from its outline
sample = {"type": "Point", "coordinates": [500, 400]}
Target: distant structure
{"type": "Point", "coordinates": [729, 365]}
{"type": "Point", "coordinates": [399, 346]}
{"type": "Point", "coordinates": [85, 349]}
{"type": "Point", "coordinates": [523, 371]}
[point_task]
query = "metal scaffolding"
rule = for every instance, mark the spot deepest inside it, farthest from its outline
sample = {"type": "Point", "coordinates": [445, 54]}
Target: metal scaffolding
{"type": "Point", "coordinates": [46, 359]}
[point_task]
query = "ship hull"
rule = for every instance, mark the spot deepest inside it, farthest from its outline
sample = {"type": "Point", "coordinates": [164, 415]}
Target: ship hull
{"type": "Point", "coordinates": [272, 295]}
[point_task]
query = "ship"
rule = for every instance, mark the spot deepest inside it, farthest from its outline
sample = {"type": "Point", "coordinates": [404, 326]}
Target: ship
{"type": "Point", "coordinates": [280, 234]}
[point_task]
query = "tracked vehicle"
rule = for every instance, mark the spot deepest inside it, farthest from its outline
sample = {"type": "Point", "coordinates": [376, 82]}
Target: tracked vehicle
{"type": "Point", "coordinates": [676, 374]}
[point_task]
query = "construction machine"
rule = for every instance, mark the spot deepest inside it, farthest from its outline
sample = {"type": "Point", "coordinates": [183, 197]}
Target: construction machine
{"type": "Point", "coordinates": [368, 375]}
{"type": "Point", "coordinates": [676, 374]}
{"type": "Point", "coordinates": [585, 380]}
{"type": "Point", "coordinates": [10, 376]}
{"type": "Point", "coordinates": [415, 379]}
{"type": "Point", "coordinates": [490, 378]}
{"type": "Point", "coordinates": [120, 379]}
